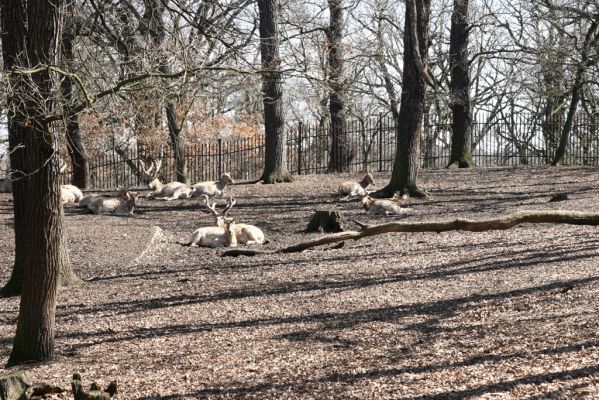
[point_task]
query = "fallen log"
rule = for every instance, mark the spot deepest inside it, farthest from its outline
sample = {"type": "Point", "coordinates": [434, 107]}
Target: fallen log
{"type": "Point", "coordinates": [460, 224]}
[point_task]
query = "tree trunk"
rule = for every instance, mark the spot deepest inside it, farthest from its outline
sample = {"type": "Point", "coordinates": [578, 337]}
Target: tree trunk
{"type": "Point", "coordinates": [29, 38]}
{"type": "Point", "coordinates": [461, 152]}
{"type": "Point", "coordinates": [79, 160]}
{"type": "Point", "coordinates": [590, 42]}
{"type": "Point", "coordinates": [341, 151]}
{"type": "Point", "coordinates": [275, 157]}
{"type": "Point", "coordinates": [409, 120]}
{"type": "Point", "coordinates": [177, 143]}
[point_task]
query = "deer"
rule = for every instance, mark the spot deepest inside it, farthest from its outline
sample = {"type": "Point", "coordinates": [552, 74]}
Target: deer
{"type": "Point", "coordinates": [161, 191]}
{"type": "Point", "coordinates": [213, 188]}
{"type": "Point", "coordinates": [382, 207]}
{"type": "Point", "coordinates": [70, 194]}
{"type": "Point", "coordinates": [5, 183]}
{"type": "Point", "coordinates": [245, 233]}
{"type": "Point", "coordinates": [215, 236]}
{"type": "Point", "coordinates": [350, 188]}
{"type": "Point", "coordinates": [122, 205]}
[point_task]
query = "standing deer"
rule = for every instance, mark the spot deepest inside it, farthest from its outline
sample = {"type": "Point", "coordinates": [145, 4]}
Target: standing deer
{"type": "Point", "coordinates": [350, 188]}
{"type": "Point", "coordinates": [245, 233]}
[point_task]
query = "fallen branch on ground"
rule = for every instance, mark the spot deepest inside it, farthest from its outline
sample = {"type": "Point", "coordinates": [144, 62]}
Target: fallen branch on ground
{"type": "Point", "coordinates": [493, 224]}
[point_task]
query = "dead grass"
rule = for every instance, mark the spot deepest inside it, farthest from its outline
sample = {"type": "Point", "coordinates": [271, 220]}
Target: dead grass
{"type": "Point", "coordinates": [492, 315]}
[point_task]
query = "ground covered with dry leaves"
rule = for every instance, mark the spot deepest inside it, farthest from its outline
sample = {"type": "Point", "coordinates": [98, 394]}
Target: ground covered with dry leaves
{"type": "Point", "coordinates": [493, 315]}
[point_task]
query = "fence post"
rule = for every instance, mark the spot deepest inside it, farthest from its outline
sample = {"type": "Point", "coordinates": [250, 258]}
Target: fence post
{"type": "Point", "coordinates": [220, 158]}
{"type": "Point", "coordinates": [380, 142]}
{"type": "Point", "coordinates": [300, 128]}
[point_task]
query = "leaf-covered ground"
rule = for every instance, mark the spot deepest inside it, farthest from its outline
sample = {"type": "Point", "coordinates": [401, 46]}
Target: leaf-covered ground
{"type": "Point", "coordinates": [494, 315]}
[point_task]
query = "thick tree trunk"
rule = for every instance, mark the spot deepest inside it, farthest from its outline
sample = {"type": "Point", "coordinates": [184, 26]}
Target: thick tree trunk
{"type": "Point", "coordinates": [341, 153]}
{"type": "Point", "coordinates": [461, 152]}
{"type": "Point", "coordinates": [409, 120]}
{"type": "Point", "coordinates": [177, 143]}
{"type": "Point", "coordinates": [77, 153]}
{"type": "Point", "coordinates": [29, 38]}
{"type": "Point", "coordinates": [275, 157]}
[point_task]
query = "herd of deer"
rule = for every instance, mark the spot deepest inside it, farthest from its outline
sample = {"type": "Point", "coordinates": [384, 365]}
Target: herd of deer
{"type": "Point", "coordinates": [225, 232]}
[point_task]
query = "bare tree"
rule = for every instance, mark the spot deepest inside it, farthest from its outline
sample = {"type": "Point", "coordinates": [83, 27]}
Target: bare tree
{"type": "Point", "coordinates": [409, 120]}
{"type": "Point", "coordinates": [275, 168]}
{"type": "Point", "coordinates": [30, 33]}
{"type": "Point", "coordinates": [461, 152]}
{"type": "Point", "coordinates": [341, 153]}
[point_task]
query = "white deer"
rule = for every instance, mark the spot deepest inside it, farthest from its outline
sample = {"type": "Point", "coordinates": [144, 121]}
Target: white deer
{"type": "Point", "coordinates": [161, 191]}
{"type": "Point", "coordinates": [70, 194]}
{"type": "Point", "coordinates": [213, 188]}
{"type": "Point", "coordinates": [122, 205]}
{"type": "Point", "coordinates": [382, 207]}
{"type": "Point", "coordinates": [245, 233]}
{"type": "Point", "coordinates": [350, 188]}
{"type": "Point", "coordinates": [215, 236]}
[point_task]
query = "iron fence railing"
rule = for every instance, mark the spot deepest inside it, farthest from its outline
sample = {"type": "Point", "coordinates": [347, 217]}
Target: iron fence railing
{"type": "Point", "coordinates": [522, 140]}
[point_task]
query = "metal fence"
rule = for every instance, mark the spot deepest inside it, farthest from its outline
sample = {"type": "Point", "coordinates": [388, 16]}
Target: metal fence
{"type": "Point", "coordinates": [521, 140]}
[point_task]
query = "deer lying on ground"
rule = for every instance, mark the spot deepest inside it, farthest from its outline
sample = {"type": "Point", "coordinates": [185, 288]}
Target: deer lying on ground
{"type": "Point", "coordinates": [382, 207]}
{"type": "Point", "coordinates": [215, 236]}
{"type": "Point", "coordinates": [70, 194]}
{"type": "Point", "coordinates": [245, 233]}
{"type": "Point", "coordinates": [213, 188]}
{"type": "Point", "coordinates": [350, 189]}
{"type": "Point", "coordinates": [161, 191]}
{"type": "Point", "coordinates": [122, 205]}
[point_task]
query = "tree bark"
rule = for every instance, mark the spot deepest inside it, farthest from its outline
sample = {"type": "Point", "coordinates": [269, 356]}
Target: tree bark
{"type": "Point", "coordinates": [79, 160]}
{"type": "Point", "coordinates": [409, 120]}
{"type": "Point", "coordinates": [275, 157]}
{"type": "Point", "coordinates": [29, 38]}
{"type": "Point", "coordinates": [461, 125]}
{"type": "Point", "coordinates": [341, 151]}
{"type": "Point", "coordinates": [177, 142]}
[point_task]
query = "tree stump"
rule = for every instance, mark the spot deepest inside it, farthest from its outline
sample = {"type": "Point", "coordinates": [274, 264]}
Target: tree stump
{"type": "Point", "coordinates": [327, 221]}
{"type": "Point", "coordinates": [94, 392]}
{"type": "Point", "coordinates": [14, 385]}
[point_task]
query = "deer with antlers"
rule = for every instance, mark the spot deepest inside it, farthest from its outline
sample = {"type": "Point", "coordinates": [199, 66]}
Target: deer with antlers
{"type": "Point", "coordinates": [245, 233]}
{"type": "Point", "coordinates": [161, 191]}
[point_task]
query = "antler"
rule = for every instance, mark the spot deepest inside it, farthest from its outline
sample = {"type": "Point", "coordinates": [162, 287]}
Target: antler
{"type": "Point", "coordinates": [230, 203]}
{"type": "Point", "coordinates": [152, 170]}
{"type": "Point", "coordinates": [211, 207]}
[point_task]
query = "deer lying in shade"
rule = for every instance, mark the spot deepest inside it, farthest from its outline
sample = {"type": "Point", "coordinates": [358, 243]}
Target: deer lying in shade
{"type": "Point", "coordinates": [245, 233]}
{"type": "Point", "coordinates": [350, 189]}
{"type": "Point", "coordinates": [213, 188]}
{"type": "Point", "coordinates": [382, 207]}
{"type": "Point", "coordinates": [70, 194]}
{"type": "Point", "coordinates": [122, 205]}
{"type": "Point", "coordinates": [215, 236]}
